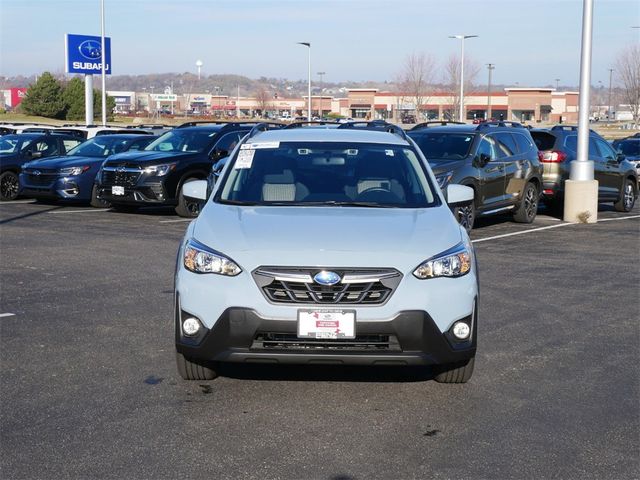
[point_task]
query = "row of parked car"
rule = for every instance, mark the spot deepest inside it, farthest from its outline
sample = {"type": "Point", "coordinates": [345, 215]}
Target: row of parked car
{"type": "Point", "coordinates": [509, 167]}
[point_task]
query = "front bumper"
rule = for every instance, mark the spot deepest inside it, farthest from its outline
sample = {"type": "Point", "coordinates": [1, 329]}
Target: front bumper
{"type": "Point", "coordinates": [410, 338]}
{"type": "Point", "coordinates": [66, 188]}
{"type": "Point", "coordinates": [143, 194]}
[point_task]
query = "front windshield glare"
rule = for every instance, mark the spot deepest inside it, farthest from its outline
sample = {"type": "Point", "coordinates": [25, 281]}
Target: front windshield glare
{"type": "Point", "coordinates": [320, 174]}
{"type": "Point", "coordinates": [446, 146]}
{"type": "Point", "coordinates": [192, 141]}
{"type": "Point", "coordinates": [100, 146]}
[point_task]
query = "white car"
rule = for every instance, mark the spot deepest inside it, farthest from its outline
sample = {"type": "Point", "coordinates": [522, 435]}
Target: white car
{"type": "Point", "coordinates": [327, 246]}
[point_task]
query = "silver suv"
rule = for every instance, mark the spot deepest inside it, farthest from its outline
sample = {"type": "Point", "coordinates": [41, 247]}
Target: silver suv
{"type": "Point", "coordinates": [327, 246]}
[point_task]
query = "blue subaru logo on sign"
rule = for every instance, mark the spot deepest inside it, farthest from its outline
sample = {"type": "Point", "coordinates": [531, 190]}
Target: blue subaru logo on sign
{"type": "Point", "coordinates": [326, 278]}
{"type": "Point", "coordinates": [90, 49]}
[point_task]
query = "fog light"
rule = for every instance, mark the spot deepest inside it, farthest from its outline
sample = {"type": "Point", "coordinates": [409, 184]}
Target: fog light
{"type": "Point", "coordinates": [190, 326]}
{"type": "Point", "coordinates": [461, 330]}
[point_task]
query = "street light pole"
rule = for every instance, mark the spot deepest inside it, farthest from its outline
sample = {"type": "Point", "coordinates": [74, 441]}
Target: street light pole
{"type": "Point", "coordinates": [581, 190]}
{"type": "Point", "coordinates": [609, 106]}
{"type": "Point", "coordinates": [491, 67]}
{"type": "Point", "coordinates": [308, 45]}
{"type": "Point", "coordinates": [321, 74]}
{"type": "Point", "coordinates": [462, 37]}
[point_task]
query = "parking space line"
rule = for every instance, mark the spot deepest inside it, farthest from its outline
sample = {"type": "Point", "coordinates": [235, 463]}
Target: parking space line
{"type": "Point", "coordinates": [88, 210]}
{"type": "Point", "coordinates": [546, 228]}
{"type": "Point", "coordinates": [175, 221]}
{"type": "Point", "coordinates": [521, 233]}
{"type": "Point", "coordinates": [618, 218]}
{"type": "Point", "coordinates": [17, 201]}
{"type": "Point", "coordinates": [7, 315]}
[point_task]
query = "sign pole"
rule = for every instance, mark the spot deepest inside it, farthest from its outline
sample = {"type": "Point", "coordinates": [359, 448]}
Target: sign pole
{"type": "Point", "coordinates": [88, 99]}
{"type": "Point", "coordinates": [103, 60]}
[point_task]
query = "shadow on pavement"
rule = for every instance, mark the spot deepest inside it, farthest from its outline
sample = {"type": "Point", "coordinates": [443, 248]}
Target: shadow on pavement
{"type": "Point", "coordinates": [325, 373]}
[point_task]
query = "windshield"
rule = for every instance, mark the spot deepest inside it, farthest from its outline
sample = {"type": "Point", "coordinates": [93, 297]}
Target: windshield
{"type": "Point", "coordinates": [320, 174]}
{"type": "Point", "coordinates": [13, 143]}
{"type": "Point", "coordinates": [179, 140]}
{"type": "Point", "coordinates": [630, 148]}
{"type": "Point", "coordinates": [102, 146]}
{"type": "Point", "coordinates": [443, 146]}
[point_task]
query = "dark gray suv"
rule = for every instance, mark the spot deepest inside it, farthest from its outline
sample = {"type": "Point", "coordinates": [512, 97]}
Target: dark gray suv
{"type": "Point", "coordinates": [499, 160]}
{"type": "Point", "coordinates": [617, 178]}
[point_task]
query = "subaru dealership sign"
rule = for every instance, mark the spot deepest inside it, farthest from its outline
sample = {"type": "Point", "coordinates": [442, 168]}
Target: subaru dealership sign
{"type": "Point", "coordinates": [83, 54]}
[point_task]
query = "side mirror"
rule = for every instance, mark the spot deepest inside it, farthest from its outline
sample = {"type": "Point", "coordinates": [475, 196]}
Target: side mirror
{"type": "Point", "coordinates": [481, 160]}
{"type": "Point", "coordinates": [620, 157]}
{"type": "Point", "coordinates": [31, 155]}
{"type": "Point", "coordinates": [195, 190]}
{"type": "Point", "coordinates": [218, 154]}
{"type": "Point", "coordinates": [459, 194]}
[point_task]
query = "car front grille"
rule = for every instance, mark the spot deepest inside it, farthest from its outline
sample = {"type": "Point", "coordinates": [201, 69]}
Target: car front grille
{"type": "Point", "coordinates": [356, 286]}
{"type": "Point", "coordinates": [40, 176]}
{"type": "Point", "coordinates": [121, 175]}
{"type": "Point", "coordinates": [289, 341]}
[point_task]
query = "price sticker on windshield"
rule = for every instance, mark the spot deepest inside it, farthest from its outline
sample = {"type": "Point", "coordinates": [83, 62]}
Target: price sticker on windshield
{"type": "Point", "coordinates": [259, 146]}
{"type": "Point", "coordinates": [245, 159]}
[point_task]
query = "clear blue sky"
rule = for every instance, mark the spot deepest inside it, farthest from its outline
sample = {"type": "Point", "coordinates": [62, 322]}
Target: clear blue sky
{"type": "Point", "coordinates": [531, 42]}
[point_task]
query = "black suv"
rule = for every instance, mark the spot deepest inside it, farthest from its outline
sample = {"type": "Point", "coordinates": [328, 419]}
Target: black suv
{"type": "Point", "coordinates": [19, 148]}
{"type": "Point", "coordinates": [499, 160]}
{"type": "Point", "coordinates": [155, 175]}
{"type": "Point", "coordinates": [617, 178]}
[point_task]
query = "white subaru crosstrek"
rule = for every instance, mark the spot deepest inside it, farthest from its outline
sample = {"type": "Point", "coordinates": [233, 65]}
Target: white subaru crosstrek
{"type": "Point", "coordinates": [327, 246]}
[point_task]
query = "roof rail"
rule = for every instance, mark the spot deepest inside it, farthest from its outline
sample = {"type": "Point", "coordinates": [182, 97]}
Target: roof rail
{"type": "Point", "coordinates": [379, 125]}
{"type": "Point", "coordinates": [260, 127]}
{"type": "Point", "coordinates": [217, 122]}
{"type": "Point", "coordinates": [305, 123]}
{"type": "Point", "coordinates": [499, 124]}
{"type": "Point", "coordinates": [442, 123]}
{"type": "Point", "coordinates": [568, 128]}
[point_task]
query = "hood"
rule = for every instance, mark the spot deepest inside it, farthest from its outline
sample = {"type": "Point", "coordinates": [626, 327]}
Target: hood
{"type": "Point", "coordinates": [147, 158]}
{"type": "Point", "coordinates": [327, 236]}
{"type": "Point", "coordinates": [442, 166]}
{"type": "Point", "coordinates": [64, 161]}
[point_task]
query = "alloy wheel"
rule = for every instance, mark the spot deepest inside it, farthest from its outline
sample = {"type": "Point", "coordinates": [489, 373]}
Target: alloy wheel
{"type": "Point", "coordinates": [629, 197]}
{"type": "Point", "coordinates": [9, 187]}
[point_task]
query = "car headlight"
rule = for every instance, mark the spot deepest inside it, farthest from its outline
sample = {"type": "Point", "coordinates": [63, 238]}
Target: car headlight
{"type": "Point", "coordinates": [443, 179]}
{"type": "Point", "coordinates": [73, 171]}
{"type": "Point", "coordinates": [160, 170]}
{"type": "Point", "coordinates": [199, 258]}
{"type": "Point", "coordinates": [454, 262]}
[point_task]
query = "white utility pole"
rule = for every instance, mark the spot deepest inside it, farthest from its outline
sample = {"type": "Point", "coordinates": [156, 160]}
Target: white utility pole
{"type": "Point", "coordinates": [103, 66]}
{"type": "Point", "coordinates": [308, 45]}
{"type": "Point", "coordinates": [462, 37]}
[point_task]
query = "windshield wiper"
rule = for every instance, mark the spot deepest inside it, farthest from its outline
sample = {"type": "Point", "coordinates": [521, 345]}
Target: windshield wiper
{"type": "Point", "coordinates": [331, 203]}
{"type": "Point", "coordinates": [237, 202]}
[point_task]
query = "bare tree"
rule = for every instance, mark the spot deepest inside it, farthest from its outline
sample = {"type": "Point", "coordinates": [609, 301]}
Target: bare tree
{"type": "Point", "coordinates": [627, 68]}
{"type": "Point", "coordinates": [263, 99]}
{"type": "Point", "coordinates": [452, 79]}
{"type": "Point", "coordinates": [416, 79]}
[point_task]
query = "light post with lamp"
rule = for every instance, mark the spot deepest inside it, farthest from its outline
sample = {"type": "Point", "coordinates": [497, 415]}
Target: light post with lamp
{"type": "Point", "coordinates": [463, 38]}
{"type": "Point", "coordinates": [320, 74]}
{"type": "Point", "coordinates": [308, 45]}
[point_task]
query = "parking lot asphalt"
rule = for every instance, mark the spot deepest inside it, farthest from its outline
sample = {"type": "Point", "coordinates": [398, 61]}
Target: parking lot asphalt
{"type": "Point", "coordinates": [89, 388]}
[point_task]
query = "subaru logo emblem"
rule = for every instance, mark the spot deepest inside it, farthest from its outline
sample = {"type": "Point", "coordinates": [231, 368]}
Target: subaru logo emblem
{"type": "Point", "coordinates": [326, 278]}
{"type": "Point", "coordinates": [90, 49]}
{"type": "Point", "coordinates": [36, 172]}
{"type": "Point", "coordinates": [120, 169]}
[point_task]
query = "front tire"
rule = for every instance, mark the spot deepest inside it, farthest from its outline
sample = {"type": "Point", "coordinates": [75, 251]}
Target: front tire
{"type": "Point", "coordinates": [455, 372]}
{"type": "Point", "coordinates": [97, 202]}
{"type": "Point", "coordinates": [187, 208]}
{"type": "Point", "coordinates": [189, 370]}
{"type": "Point", "coordinates": [528, 208]}
{"type": "Point", "coordinates": [627, 197]}
{"type": "Point", "coordinates": [9, 186]}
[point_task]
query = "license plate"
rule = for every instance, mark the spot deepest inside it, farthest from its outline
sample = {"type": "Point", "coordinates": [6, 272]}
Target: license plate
{"type": "Point", "coordinates": [117, 190]}
{"type": "Point", "coordinates": [326, 324]}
